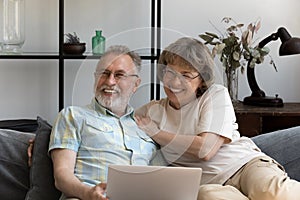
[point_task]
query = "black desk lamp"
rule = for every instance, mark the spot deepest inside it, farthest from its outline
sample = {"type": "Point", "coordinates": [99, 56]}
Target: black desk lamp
{"type": "Point", "coordinates": [289, 46]}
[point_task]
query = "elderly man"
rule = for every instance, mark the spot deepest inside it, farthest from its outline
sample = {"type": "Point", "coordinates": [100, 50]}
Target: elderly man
{"type": "Point", "coordinates": [85, 140]}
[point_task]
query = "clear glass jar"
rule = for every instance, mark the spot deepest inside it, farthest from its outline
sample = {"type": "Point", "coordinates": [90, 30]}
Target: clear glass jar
{"type": "Point", "coordinates": [13, 25]}
{"type": "Point", "coordinates": [231, 82]}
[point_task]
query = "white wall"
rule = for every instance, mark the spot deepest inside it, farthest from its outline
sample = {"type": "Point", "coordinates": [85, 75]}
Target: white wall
{"type": "Point", "coordinates": [30, 87]}
{"type": "Point", "coordinates": [193, 18]}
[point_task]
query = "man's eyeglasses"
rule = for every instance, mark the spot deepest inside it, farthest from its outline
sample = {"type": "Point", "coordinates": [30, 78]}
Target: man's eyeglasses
{"type": "Point", "coordinates": [171, 74]}
{"type": "Point", "coordinates": [119, 75]}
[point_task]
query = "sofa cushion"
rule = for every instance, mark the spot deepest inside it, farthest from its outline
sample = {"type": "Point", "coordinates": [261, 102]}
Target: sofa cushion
{"type": "Point", "coordinates": [41, 171]}
{"type": "Point", "coordinates": [14, 170]}
{"type": "Point", "coordinates": [283, 146]}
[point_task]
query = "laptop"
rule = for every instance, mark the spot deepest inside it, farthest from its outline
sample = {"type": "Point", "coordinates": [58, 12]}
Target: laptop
{"type": "Point", "coordinates": [128, 182]}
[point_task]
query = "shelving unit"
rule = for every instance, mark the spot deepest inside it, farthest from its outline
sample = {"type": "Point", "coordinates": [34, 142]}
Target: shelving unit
{"type": "Point", "coordinates": [153, 57]}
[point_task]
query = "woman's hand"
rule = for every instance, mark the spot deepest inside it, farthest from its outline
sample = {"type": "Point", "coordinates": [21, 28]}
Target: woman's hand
{"type": "Point", "coordinates": [147, 125]}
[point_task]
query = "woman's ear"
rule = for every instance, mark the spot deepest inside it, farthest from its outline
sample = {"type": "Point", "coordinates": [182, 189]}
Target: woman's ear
{"type": "Point", "coordinates": [201, 83]}
{"type": "Point", "coordinates": [199, 90]}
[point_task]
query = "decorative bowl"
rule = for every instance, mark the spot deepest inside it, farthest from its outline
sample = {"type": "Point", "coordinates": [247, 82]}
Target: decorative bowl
{"type": "Point", "coordinates": [74, 49]}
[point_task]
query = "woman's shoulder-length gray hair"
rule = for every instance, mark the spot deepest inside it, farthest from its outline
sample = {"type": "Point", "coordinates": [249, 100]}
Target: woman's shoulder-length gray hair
{"type": "Point", "coordinates": [191, 52]}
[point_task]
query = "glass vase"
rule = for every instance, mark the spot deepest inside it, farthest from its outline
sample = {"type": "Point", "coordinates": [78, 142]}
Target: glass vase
{"type": "Point", "coordinates": [98, 43]}
{"type": "Point", "coordinates": [231, 82]}
{"type": "Point", "coordinates": [13, 25]}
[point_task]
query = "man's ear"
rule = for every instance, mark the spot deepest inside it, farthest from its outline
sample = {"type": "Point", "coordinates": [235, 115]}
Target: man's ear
{"type": "Point", "coordinates": [136, 84]}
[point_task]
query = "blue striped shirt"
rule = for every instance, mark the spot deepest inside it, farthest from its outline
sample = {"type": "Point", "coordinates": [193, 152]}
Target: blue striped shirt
{"type": "Point", "coordinates": [100, 138]}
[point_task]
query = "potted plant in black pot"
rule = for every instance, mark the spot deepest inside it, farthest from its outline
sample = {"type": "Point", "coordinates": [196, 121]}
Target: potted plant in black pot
{"type": "Point", "coordinates": [72, 45]}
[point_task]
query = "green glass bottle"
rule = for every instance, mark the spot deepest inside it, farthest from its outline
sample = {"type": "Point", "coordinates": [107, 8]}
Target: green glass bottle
{"type": "Point", "coordinates": [98, 43]}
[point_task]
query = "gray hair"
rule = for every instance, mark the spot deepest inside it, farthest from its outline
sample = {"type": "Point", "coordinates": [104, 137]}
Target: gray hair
{"type": "Point", "coordinates": [189, 52]}
{"type": "Point", "coordinates": [119, 50]}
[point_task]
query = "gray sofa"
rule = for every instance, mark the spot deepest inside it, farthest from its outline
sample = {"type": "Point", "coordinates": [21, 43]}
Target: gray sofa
{"type": "Point", "coordinates": [283, 146]}
{"type": "Point", "coordinates": [18, 181]}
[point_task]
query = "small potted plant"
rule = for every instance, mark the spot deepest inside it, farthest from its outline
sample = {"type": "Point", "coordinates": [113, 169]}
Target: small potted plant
{"type": "Point", "coordinates": [72, 45]}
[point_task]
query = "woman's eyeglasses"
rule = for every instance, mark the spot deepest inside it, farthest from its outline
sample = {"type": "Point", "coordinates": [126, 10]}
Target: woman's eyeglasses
{"type": "Point", "coordinates": [171, 74]}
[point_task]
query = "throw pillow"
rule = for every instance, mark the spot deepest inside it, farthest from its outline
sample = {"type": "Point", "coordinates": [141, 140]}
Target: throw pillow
{"type": "Point", "coordinates": [14, 170]}
{"type": "Point", "coordinates": [41, 171]}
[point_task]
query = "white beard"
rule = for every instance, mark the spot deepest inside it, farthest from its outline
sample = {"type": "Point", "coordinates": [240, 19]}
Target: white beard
{"type": "Point", "coordinates": [116, 105]}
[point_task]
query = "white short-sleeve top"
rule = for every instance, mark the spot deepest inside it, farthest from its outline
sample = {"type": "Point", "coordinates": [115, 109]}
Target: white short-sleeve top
{"type": "Point", "coordinates": [212, 112]}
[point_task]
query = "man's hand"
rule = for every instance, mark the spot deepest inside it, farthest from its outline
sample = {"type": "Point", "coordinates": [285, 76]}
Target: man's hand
{"type": "Point", "coordinates": [30, 151]}
{"type": "Point", "coordinates": [97, 192]}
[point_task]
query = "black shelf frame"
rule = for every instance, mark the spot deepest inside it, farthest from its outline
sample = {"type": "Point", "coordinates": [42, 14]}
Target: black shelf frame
{"type": "Point", "coordinates": [153, 57]}
{"type": "Point", "coordinates": [93, 57]}
{"type": "Point", "coordinates": [29, 56]}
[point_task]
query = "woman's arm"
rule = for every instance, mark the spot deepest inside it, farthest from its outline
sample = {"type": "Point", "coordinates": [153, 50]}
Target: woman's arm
{"type": "Point", "coordinates": [202, 146]}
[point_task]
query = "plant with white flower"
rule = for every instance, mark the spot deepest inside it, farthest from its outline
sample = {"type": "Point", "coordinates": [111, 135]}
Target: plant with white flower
{"type": "Point", "coordinates": [235, 47]}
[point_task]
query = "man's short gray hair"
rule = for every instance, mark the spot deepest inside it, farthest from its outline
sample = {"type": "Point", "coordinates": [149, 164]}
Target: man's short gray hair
{"type": "Point", "coordinates": [119, 50]}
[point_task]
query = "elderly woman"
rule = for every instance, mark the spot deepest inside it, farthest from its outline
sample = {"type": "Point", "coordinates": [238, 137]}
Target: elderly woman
{"type": "Point", "coordinates": [196, 127]}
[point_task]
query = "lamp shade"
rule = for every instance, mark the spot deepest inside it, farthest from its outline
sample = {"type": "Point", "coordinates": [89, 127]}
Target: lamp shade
{"type": "Point", "coordinates": [290, 45]}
